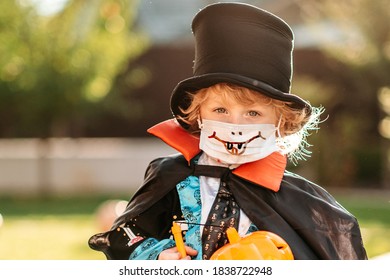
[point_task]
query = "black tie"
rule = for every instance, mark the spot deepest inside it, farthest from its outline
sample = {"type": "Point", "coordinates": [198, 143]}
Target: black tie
{"type": "Point", "coordinates": [224, 212]}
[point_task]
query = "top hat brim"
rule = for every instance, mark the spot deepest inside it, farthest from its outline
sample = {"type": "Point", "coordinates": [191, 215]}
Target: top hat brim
{"type": "Point", "coordinates": [180, 101]}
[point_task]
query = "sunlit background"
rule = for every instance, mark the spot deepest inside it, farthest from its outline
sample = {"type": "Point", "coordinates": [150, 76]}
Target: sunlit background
{"type": "Point", "coordinates": [81, 81]}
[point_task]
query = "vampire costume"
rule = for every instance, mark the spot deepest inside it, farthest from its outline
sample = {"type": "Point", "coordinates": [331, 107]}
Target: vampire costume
{"type": "Point", "coordinates": [242, 45]}
{"type": "Point", "coordinates": [307, 217]}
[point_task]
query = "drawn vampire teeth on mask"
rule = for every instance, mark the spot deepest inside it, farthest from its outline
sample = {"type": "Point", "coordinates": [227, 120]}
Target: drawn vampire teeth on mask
{"type": "Point", "coordinates": [236, 148]}
{"type": "Point", "coordinates": [237, 143]}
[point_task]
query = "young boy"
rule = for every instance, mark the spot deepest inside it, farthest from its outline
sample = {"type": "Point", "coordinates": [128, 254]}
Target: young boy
{"type": "Point", "coordinates": [235, 124]}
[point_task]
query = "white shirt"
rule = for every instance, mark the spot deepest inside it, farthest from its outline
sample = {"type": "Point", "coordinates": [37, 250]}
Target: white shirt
{"type": "Point", "coordinates": [208, 191]}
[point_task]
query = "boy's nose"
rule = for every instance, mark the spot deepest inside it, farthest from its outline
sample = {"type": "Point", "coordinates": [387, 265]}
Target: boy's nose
{"type": "Point", "coordinates": [236, 119]}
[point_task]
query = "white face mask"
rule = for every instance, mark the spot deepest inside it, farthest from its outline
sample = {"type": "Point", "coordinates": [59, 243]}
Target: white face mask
{"type": "Point", "coordinates": [237, 143]}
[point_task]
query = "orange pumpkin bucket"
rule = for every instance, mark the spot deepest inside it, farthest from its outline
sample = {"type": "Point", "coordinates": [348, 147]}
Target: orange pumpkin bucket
{"type": "Point", "coordinates": [258, 245]}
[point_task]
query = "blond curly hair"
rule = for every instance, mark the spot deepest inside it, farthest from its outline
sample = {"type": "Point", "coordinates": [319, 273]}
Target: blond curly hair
{"type": "Point", "coordinates": [294, 124]}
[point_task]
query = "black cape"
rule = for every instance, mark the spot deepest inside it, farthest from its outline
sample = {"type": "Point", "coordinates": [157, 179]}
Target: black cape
{"type": "Point", "coordinates": [305, 215]}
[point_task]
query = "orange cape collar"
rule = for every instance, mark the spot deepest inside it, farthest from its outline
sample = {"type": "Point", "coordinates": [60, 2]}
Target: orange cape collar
{"type": "Point", "coordinates": [267, 172]}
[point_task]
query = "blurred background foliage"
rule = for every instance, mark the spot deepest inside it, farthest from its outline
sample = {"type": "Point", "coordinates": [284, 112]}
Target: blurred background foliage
{"type": "Point", "coordinates": [68, 73]}
{"type": "Point", "coordinates": [58, 72]}
{"type": "Point", "coordinates": [353, 145]}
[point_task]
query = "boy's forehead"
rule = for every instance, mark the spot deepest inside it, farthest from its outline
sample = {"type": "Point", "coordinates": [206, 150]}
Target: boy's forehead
{"type": "Point", "coordinates": [236, 95]}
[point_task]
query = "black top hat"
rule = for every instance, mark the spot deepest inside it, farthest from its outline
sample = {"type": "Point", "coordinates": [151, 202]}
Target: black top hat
{"type": "Point", "coordinates": [240, 44]}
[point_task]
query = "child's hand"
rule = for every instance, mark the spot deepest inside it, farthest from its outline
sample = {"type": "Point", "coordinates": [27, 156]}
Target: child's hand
{"type": "Point", "coordinates": [173, 254]}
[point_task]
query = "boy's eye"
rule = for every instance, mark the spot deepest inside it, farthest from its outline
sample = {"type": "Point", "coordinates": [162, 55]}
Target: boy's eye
{"type": "Point", "coordinates": [253, 113]}
{"type": "Point", "coordinates": [220, 110]}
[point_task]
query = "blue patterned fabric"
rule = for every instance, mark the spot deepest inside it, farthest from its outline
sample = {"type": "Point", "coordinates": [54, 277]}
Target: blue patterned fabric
{"type": "Point", "coordinates": [191, 207]}
{"type": "Point", "coordinates": [150, 249]}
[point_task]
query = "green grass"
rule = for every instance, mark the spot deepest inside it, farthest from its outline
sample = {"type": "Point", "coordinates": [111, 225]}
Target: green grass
{"type": "Point", "coordinates": [59, 228]}
{"type": "Point", "coordinates": [51, 228]}
{"type": "Point", "coordinates": [48, 238]}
